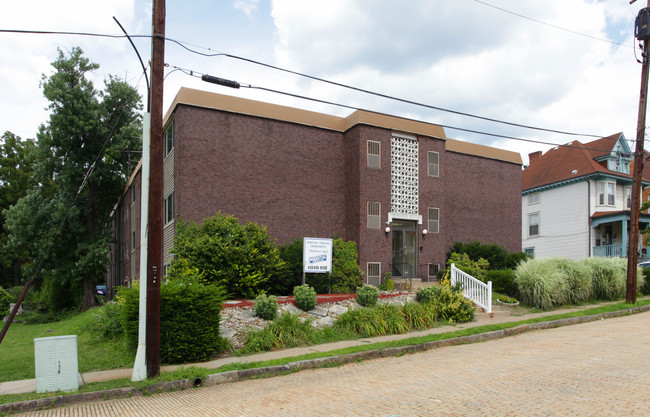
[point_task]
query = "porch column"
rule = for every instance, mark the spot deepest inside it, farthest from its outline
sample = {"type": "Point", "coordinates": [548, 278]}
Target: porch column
{"type": "Point", "coordinates": [624, 238]}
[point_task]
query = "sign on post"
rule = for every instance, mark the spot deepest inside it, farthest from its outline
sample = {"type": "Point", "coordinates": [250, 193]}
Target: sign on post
{"type": "Point", "coordinates": [316, 255]}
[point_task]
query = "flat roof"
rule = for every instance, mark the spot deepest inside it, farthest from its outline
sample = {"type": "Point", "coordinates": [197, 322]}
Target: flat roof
{"type": "Point", "coordinates": [249, 107]}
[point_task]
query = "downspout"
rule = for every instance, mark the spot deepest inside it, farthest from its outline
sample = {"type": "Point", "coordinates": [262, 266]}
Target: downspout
{"type": "Point", "coordinates": [588, 215]}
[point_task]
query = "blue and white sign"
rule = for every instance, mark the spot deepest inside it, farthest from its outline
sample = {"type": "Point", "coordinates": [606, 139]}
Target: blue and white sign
{"type": "Point", "coordinates": [316, 255]}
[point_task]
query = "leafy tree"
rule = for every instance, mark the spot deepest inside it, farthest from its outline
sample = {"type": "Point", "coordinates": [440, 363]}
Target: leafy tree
{"type": "Point", "coordinates": [81, 164]}
{"type": "Point", "coordinates": [16, 177]}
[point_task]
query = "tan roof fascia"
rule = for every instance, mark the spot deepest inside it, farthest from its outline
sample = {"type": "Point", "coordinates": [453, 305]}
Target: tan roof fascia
{"type": "Point", "coordinates": [253, 108]}
{"type": "Point", "coordinates": [453, 145]}
{"type": "Point", "coordinates": [394, 123]}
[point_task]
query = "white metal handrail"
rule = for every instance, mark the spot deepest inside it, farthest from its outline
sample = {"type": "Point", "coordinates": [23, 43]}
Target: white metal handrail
{"type": "Point", "coordinates": [473, 289]}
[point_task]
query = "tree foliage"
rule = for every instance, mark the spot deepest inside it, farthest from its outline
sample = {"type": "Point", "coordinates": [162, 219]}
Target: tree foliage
{"type": "Point", "coordinates": [82, 160]}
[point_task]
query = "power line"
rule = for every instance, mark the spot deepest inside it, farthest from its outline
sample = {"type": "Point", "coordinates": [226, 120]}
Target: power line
{"type": "Point", "coordinates": [553, 26]}
{"type": "Point", "coordinates": [197, 74]}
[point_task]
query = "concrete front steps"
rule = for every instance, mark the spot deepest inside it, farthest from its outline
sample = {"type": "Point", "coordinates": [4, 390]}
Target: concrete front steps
{"type": "Point", "coordinates": [411, 284]}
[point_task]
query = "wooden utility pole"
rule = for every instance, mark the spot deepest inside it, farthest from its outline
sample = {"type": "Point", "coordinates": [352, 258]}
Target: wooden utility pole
{"type": "Point", "coordinates": [154, 270]}
{"type": "Point", "coordinates": [642, 33]}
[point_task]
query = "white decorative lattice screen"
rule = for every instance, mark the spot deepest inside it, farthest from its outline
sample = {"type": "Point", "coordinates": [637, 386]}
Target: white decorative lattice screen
{"type": "Point", "coordinates": [404, 175]}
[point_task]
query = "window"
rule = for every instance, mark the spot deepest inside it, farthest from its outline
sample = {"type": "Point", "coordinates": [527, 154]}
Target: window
{"type": "Point", "coordinates": [169, 208]}
{"type": "Point", "coordinates": [434, 220]}
{"type": "Point", "coordinates": [534, 199]}
{"type": "Point", "coordinates": [374, 154]}
{"type": "Point", "coordinates": [374, 215]}
{"type": "Point", "coordinates": [628, 197]}
{"type": "Point", "coordinates": [133, 194]}
{"type": "Point", "coordinates": [533, 224]}
{"type": "Point", "coordinates": [433, 167]}
{"type": "Point", "coordinates": [530, 252]}
{"type": "Point", "coordinates": [133, 240]}
{"type": "Point", "coordinates": [169, 139]}
{"type": "Point", "coordinates": [611, 193]}
{"type": "Point", "coordinates": [607, 193]}
{"type": "Point", "coordinates": [374, 273]}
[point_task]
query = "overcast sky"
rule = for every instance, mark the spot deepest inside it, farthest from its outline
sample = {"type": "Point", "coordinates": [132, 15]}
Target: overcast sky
{"type": "Point", "coordinates": [567, 65]}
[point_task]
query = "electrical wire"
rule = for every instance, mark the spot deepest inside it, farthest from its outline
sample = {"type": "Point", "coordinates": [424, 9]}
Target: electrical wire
{"type": "Point", "coordinates": [197, 74]}
{"type": "Point", "coordinates": [554, 26]}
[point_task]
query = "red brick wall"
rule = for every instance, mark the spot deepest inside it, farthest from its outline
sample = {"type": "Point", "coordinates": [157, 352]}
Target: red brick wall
{"type": "Point", "coordinates": [287, 177]}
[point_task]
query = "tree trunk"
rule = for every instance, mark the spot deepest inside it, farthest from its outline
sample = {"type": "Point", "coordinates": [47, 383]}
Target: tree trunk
{"type": "Point", "coordinates": [15, 270]}
{"type": "Point", "coordinates": [88, 301]}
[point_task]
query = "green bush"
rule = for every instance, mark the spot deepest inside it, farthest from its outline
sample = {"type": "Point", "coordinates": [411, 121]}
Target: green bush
{"type": "Point", "coordinates": [189, 319]}
{"type": "Point", "coordinates": [106, 322]}
{"type": "Point", "coordinates": [367, 295]}
{"type": "Point", "coordinates": [541, 284]}
{"type": "Point", "coordinates": [645, 288]}
{"type": "Point", "coordinates": [419, 316]}
{"type": "Point", "coordinates": [346, 274]}
{"type": "Point", "coordinates": [462, 261]}
{"type": "Point", "coordinates": [240, 258]}
{"type": "Point", "coordinates": [502, 281]}
{"type": "Point", "coordinates": [305, 297]}
{"type": "Point", "coordinates": [427, 295]}
{"type": "Point", "coordinates": [266, 307]}
{"type": "Point", "coordinates": [5, 300]}
{"type": "Point", "coordinates": [497, 256]}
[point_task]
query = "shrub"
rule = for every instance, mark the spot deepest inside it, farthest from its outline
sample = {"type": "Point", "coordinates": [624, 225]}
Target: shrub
{"type": "Point", "coordinates": [419, 316]}
{"type": "Point", "coordinates": [427, 295]}
{"type": "Point", "coordinates": [502, 281]}
{"type": "Point", "coordinates": [367, 295]}
{"type": "Point", "coordinates": [346, 274]}
{"type": "Point", "coordinates": [477, 268]}
{"type": "Point", "coordinates": [189, 319]}
{"type": "Point", "coordinates": [497, 256]}
{"type": "Point", "coordinates": [541, 284]}
{"type": "Point", "coordinates": [645, 288]}
{"type": "Point", "coordinates": [387, 284]}
{"type": "Point", "coordinates": [305, 297]}
{"type": "Point", "coordinates": [5, 300]}
{"type": "Point", "coordinates": [240, 258]}
{"type": "Point", "coordinates": [452, 306]}
{"type": "Point", "coordinates": [609, 277]}
{"type": "Point", "coordinates": [266, 307]}
{"type": "Point", "coordinates": [106, 322]}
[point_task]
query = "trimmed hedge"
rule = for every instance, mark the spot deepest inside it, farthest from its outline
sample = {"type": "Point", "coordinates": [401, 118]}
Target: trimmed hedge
{"type": "Point", "coordinates": [189, 320]}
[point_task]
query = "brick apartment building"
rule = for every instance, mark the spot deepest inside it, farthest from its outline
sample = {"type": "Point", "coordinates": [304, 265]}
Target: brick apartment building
{"type": "Point", "coordinates": [398, 187]}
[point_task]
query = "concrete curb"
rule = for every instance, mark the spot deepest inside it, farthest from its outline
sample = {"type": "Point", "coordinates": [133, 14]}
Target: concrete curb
{"type": "Point", "coordinates": [243, 374]}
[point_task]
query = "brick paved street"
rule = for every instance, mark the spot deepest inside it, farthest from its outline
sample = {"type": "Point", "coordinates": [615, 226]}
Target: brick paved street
{"type": "Point", "coordinates": [600, 368]}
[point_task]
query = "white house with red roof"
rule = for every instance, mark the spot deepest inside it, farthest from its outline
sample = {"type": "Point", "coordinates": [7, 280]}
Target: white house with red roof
{"type": "Point", "coordinates": [576, 200]}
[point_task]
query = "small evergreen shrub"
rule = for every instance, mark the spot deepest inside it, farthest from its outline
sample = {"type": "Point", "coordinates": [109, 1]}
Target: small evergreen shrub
{"type": "Point", "coordinates": [266, 307]}
{"type": "Point", "coordinates": [387, 285]}
{"type": "Point", "coordinates": [367, 295]}
{"type": "Point", "coordinates": [497, 256]}
{"type": "Point", "coordinates": [305, 297]}
{"type": "Point", "coordinates": [452, 306]}
{"type": "Point", "coordinates": [189, 319]}
{"type": "Point", "coordinates": [503, 281]}
{"type": "Point", "coordinates": [477, 268]}
{"type": "Point", "coordinates": [427, 295]}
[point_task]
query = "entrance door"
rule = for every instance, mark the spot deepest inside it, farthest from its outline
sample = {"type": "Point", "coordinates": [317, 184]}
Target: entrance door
{"type": "Point", "coordinates": [405, 256]}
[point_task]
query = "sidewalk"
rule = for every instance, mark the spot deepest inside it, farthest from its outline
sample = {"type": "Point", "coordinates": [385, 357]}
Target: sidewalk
{"type": "Point", "coordinates": [501, 315]}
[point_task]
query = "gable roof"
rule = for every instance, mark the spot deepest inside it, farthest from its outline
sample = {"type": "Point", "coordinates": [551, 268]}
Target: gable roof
{"type": "Point", "coordinates": [574, 160]}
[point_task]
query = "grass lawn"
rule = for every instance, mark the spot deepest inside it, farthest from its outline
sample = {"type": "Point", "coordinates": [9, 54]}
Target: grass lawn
{"type": "Point", "coordinates": [17, 348]}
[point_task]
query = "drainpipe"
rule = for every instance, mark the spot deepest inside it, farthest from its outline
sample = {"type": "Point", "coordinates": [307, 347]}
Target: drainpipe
{"type": "Point", "coordinates": [589, 214]}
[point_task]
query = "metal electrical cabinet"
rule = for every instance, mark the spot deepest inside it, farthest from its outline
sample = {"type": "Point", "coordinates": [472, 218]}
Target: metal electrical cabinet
{"type": "Point", "coordinates": [56, 363]}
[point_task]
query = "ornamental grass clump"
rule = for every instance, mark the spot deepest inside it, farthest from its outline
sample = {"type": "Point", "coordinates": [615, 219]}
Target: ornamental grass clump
{"type": "Point", "coordinates": [266, 307]}
{"type": "Point", "coordinates": [609, 276]}
{"type": "Point", "coordinates": [367, 295]}
{"type": "Point", "coordinates": [578, 278]}
{"type": "Point", "coordinates": [286, 331]}
{"type": "Point", "coordinates": [305, 297]}
{"type": "Point", "coordinates": [541, 284]}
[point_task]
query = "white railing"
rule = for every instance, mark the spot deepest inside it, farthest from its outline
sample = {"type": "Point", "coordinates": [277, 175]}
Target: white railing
{"type": "Point", "coordinates": [473, 289]}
